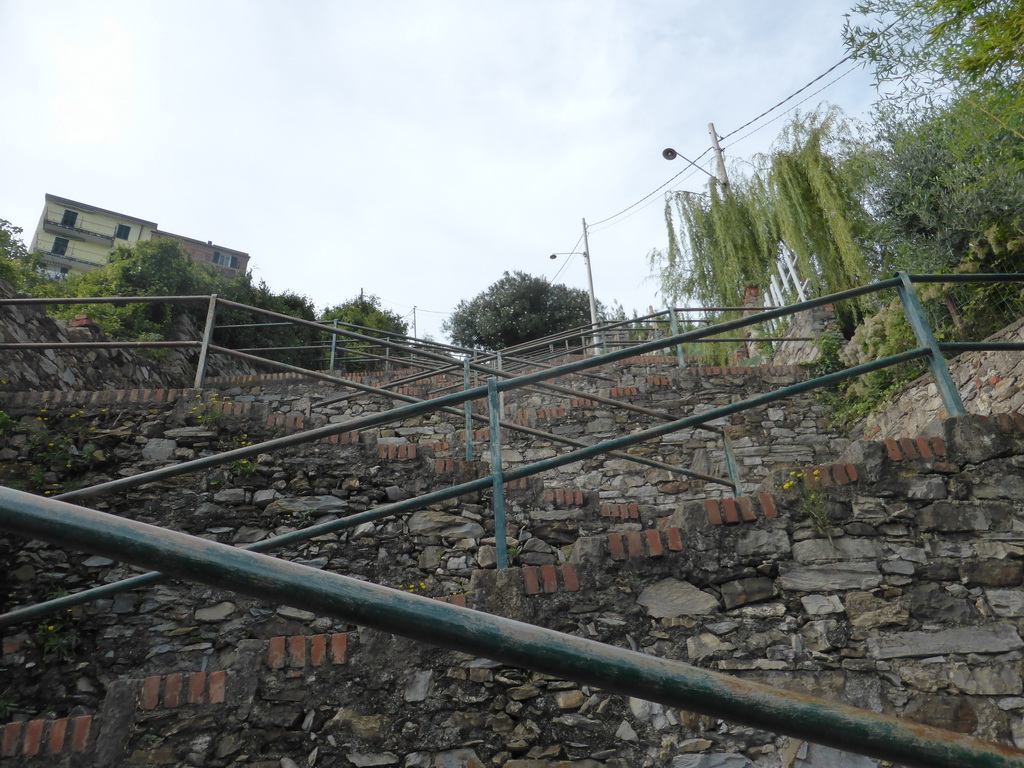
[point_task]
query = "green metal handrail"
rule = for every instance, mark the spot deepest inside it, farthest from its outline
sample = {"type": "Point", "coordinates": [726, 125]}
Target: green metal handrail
{"type": "Point", "coordinates": [900, 281]}
{"type": "Point", "coordinates": [652, 679]}
{"type": "Point", "coordinates": [409, 505]}
{"type": "Point", "coordinates": [616, 670]}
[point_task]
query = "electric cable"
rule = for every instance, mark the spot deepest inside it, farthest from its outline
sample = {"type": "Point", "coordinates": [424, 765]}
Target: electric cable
{"type": "Point", "coordinates": [656, 191]}
{"type": "Point", "coordinates": [567, 262]}
{"type": "Point", "coordinates": [783, 114]}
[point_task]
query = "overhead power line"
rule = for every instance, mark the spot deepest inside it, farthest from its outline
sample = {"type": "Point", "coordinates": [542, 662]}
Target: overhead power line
{"type": "Point", "coordinates": [780, 116]}
{"type": "Point", "coordinates": [651, 194]}
{"type": "Point", "coordinates": [767, 112]}
{"type": "Point", "coordinates": [795, 93]}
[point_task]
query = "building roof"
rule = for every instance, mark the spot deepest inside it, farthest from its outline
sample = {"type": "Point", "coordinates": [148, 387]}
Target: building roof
{"type": "Point", "coordinates": [97, 209]}
{"type": "Point", "coordinates": [203, 243]}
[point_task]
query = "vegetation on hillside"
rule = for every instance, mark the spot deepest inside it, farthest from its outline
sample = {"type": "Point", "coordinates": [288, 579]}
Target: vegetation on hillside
{"type": "Point", "coordinates": [369, 318]}
{"type": "Point", "coordinates": [162, 268]}
{"type": "Point", "coordinates": [934, 182]}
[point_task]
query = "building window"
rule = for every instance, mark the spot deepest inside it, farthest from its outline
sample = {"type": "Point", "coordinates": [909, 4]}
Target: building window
{"type": "Point", "coordinates": [123, 230]}
{"type": "Point", "coordinates": [60, 246]}
{"type": "Point", "coordinates": [225, 260]}
{"type": "Point", "coordinates": [69, 219]}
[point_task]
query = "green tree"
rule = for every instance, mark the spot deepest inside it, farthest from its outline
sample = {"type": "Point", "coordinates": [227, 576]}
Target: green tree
{"type": "Point", "coordinates": [803, 196]}
{"type": "Point", "coordinates": [941, 180]}
{"type": "Point", "coordinates": [930, 48]}
{"type": "Point", "coordinates": [370, 319]}
{"type": "Point", "coordinates": [366, 312]}
{"type": "Point", "coordinates": [146, 268]}
{"type": "Point", "coordinates": [292, 344]}
{"type": "Point", "coordinates": [516, 309]}
{"type": "Point", "coordinates": [17, 266]}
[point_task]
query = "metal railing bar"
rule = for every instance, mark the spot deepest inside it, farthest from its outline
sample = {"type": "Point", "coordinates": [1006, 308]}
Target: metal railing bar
{"type": "Point", "coordinates": [107, 300]}
{"type": "Point", "coordinates": [973, 277]}
{"type": "Point", "coordinates": [461, 397]}
{"type": "Point", "coordinates": [419, 408]}
{"type": "Point", "coordinates": [416, 408]}
{"type": "Point", "coordinates": [981, 346]}
{"type": "Point", "coordinates": [338, 331]}
{"type": "Point", "coordinates": [455, 491]}
{"type": "Point", "coordinates": [96, 344]}
{"type": "Point", "coordinates": [481, 418]}
{"type": "Point", "coordinates": [589, 662]}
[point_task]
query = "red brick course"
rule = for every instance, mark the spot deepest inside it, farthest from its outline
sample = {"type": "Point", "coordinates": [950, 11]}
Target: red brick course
{"type": "Point", "coordinates": [648, 543]}
{"type": "Point", "coordinates": [403, 452]}
{"type": "Point", "coordinates": [49, 737]}
{"type": "Point", "coordinates": [564, 497]}
{"type": "Point", "coordinates": [544, 579]}
{"type": "Point", "coordinates": [731, 511]}
{"type": "Point", "coordinates": [298, 651]}
{"type": "Point", "coordinates": [920, 448]}
{"type": "Point", "coordinates": [621, 511]}
{"type": "Point", "coordinates": [168, 690]}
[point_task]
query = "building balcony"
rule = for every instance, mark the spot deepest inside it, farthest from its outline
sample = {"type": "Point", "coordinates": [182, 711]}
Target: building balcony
{"type": "Point", "coordinates": [69, 261]}
{"type": "Point", "coordinates": [56, 227]}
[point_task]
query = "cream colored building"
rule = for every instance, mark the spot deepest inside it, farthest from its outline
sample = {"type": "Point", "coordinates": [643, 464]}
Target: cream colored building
{"type": "Point", "coordinates": [78, 237]}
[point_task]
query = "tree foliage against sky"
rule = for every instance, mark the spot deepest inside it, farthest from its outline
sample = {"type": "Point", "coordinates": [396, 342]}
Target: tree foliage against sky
{"type": "Point", "coordinates": [366, 312]}
{"type": "Point", "coordinates": [929, 47]}
{"type": "Point", "coordinates": [937, 171]}
{"type": "Point", "coordinates": [800, 197]}
{"type": "Point", "coordinates": [516, 309]}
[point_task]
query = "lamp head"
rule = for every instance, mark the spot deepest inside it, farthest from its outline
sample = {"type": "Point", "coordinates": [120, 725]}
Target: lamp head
{"type": "Point", "coordinates": [554, 256]}
{"type": "Point", "coordinates": [669, 154]}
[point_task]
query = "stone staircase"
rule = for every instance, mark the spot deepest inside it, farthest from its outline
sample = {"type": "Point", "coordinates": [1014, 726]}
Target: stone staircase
{"type": "Point", "coordinates": [884, 574]}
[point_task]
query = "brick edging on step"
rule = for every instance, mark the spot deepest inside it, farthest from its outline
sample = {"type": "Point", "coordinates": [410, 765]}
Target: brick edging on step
{"type": "Point", "coordinates": [94, 397]}
{"type": "Point", "coordinates": [651, 542]}
{"type": "Point", "coordinates": [731, 511]}
{"type": "Point", "coordinates": [46, 737]}
{"type": "Point", "coordinates": [172, 691]}
{"type": "Point", "coordinates": [543, 579]}
{"type": "Point", "coordinates": [295, 651]}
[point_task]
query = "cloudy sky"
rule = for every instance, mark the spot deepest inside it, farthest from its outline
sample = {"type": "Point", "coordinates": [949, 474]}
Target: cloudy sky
{"type": "Point", "coordinates": [410, 149]}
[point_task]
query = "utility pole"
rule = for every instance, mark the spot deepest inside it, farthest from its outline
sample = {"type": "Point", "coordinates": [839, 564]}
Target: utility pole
{"type": "Point", "coordinates": [414, 321]}
{"type": "Point", "coordinates": [723, 177]}
{"type": "Point", "coordinates": [590, 284]}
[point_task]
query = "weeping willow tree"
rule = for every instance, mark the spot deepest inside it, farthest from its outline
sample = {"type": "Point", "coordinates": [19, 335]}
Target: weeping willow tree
{"type": "Point", "coordinates": [814, 197]}
{"type": "Point", "coordinates": [802, 196]}
{"type": "Point", "coordinates": [728, 236]}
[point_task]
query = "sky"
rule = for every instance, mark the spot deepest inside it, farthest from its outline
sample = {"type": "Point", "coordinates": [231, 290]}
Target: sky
{"type": "Point", "coordinates": [408, 149]}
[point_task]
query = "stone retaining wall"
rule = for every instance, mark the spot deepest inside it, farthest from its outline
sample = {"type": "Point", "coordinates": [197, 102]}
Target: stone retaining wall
{"type": "Point", "coordinates": [988, 382]}
{"type": "Point", "coordinates": [884, 575]}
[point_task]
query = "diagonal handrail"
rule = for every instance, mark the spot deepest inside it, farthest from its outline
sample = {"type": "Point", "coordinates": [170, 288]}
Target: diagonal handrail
{"type": "Point", "coordinates": [480, 484]}
{"type": "Point", "coordinates": [928, 350]}
{"type": "Point", "coordinates": [616, 670]}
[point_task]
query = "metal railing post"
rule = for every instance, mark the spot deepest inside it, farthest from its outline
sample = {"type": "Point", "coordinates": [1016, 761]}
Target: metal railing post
{"type": "Point", "coordinates": [334, 345]}
{"type": "Point", "coordinates": [936, 360]}
{"type": "Point", "coordinates": [501, 396]}
{"type": "Point", "coordinates": [674, 321]}
{"type": "Point", "coordinates": [204, 350]}
{"type": "Point", "coordinates": [730, 463]}
{"type": "Point", "coordinates": [497, 475]}
{"type": "Point", "coordinates": [468, 406]}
